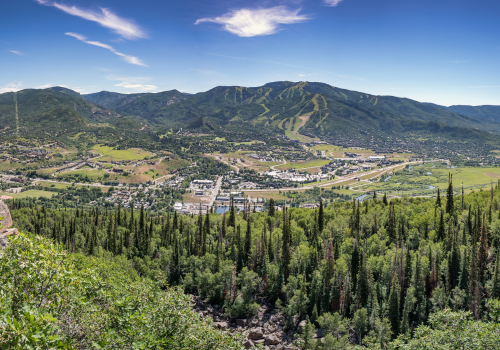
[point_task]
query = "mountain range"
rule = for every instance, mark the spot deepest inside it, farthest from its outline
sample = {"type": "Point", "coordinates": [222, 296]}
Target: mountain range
{"type": "Point", "coordinates": [302, 108]}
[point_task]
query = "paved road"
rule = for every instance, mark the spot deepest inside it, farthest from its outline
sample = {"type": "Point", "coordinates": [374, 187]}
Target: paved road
{"type": "Point", "coordinates": [215, 191]}
{"type": "Point", "coordinates": [339, 179]}
{"type": "Point", "coordinates": [272, 167]}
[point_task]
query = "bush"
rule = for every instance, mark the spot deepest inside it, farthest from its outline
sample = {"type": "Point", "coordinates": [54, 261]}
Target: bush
{"type": "Point", "coordinates": [50, 299]}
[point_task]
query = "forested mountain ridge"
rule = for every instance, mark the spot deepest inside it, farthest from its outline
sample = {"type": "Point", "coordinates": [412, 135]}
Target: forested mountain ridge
{"type": "Point", "coordinates": [307, 108]}
{"type": "Point", "coordinates": [140, 104]}
{"type": "Point", "coordinates": [34, 102]}
{"type": "Point", "coordinates": [480, 112]}
{"type": "Point", "coordinates": [321, 108]}
{"type": "Point", "coordinates": [365, 272]}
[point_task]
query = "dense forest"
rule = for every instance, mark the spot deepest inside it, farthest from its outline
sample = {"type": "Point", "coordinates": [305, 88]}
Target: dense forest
{"type": "Point", "coordinates": [367, 272]}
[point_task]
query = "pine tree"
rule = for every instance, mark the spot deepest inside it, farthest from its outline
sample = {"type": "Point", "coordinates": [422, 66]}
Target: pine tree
{"type": "Point", "coordinates": [355, 264]}
{"type": "Point", "coordinates": [473, 283]}
{"type": "Point", "coordinates": [440, 231]}
{"type": "Point", "coordinates": [394, 304]}
{"type": "Point", "coordinates": [449, 197]}
{"type": "Point", "coordinates": [239, 266]}
{"type": "Point", "coordinates": [384, 200]}
{"type": "Point", "coordinates": [438, 199]}
{"type": "Point", "coordinates": [206, 232]}
{"type": "Point", "coordinates": [495, 285]}
{"type": "Point", "coordinates": [109, 234]}
{"type": "Point", "coordinates": [482, 254]}
{"type": "Point", "coordinates": [286, 254]}
{"type": "Point", "coordinates": [231, 222]}
{"type": "Point", "coordinates": [321, 217]}
{"type": "Point", "coordinates": [248, 244]}
{"type": "Point", "coordinates": [391, 223]}
{"type": "Point", "coordinates": [199, 235]}
{"type": "Point", "coordinates": [363, 288]}
{"type": "Point", "coordinates": [271, 208]}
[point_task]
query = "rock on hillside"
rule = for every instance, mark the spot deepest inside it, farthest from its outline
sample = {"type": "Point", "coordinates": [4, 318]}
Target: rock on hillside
{"type": "Point", "coordinates": [266, 327]}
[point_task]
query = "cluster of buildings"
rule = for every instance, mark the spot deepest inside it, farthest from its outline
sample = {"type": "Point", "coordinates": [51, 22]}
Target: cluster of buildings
{"type": "Point", "coordinates": [295, 176]}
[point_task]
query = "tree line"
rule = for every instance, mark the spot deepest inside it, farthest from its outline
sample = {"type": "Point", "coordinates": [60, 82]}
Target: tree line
{"type": "Point", "coordinates": [367, 272]}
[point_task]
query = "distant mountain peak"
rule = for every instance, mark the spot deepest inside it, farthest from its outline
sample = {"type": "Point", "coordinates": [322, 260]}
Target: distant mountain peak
{"type": "Point", "coordinates": [64, 90]}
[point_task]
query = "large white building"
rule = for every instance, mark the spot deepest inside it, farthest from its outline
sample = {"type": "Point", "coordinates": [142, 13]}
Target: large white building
{"type": "Point", "coordinates": [376, 158]}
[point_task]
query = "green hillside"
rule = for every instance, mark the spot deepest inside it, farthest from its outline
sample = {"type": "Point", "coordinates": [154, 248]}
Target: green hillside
{"type": "Point", "coordinates": [303, 108]}
{"type": "Point", "coordinates": [50, 299]}
{"type": "Point", "coordinates": [34, 102]}
{"type": "Point", "coordinates": [146, 105]}
{"type": "Point", "coordinates": [491, 113]}
{"type": "Point", "coordinates": [308, 108]}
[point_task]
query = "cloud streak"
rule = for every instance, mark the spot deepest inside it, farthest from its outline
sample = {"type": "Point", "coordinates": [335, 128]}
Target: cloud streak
{"type": "Point", "coordinates": [256, 22]}
{"type": "Point", "coordinates": [11, 87]}
{"type": "Point", "coordinates": [137, 87]}
{"type": "Point", "coordinates": [126, 58]}
{"type": "Point", "coordinates": [332, 3]}
{"type": "Point", "coordinates": [19, 53]}
{"type": "Point", "coordinates": [121, 26]}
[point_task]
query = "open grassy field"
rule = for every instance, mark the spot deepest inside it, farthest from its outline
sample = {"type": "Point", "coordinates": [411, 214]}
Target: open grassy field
{"type": "Point", "coordinates": [339, 152]}
{"type": "Point", "coordinates": [50, 185]}
{"type": "Point", "coordinates": [424, 180]}
{"type": "Point", "coordinates": [247, 162]}
{"type": "Point", "coordinates": [305, 164]}
{"type": "Point", "coordinates": [29, 193]}
{"type": "Point", "coordinates": [129, 154]}
{"type": "Point", "coordinates": [330, 148]}
{"type": "Point", "coordinates": [92, 174]}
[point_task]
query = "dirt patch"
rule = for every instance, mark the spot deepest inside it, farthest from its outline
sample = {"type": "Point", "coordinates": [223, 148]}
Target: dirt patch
{"type": "Point", "coordinates": [493, 175]}
{"type": "Point", "coordinates": [304, 120]}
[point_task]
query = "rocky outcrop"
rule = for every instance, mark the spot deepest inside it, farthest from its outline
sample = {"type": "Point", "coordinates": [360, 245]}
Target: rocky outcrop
{"type": "Point", "coordinates": [265, 328]}
{"type": "Point", "coordinates": [5, 225]}
{"type": "Point", "coordinates": [6, 221]}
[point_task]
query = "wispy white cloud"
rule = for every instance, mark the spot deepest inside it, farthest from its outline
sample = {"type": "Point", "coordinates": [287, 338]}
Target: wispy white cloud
{"type": "Point", "coordinates": [17, 52]}
{"type": "Point", "coordinates": [137, 87]}
{"type": "Point", "coordinates": [332, 2]}
{"type": "Point", "coordinates": [49, 85]}
{"type": "Point", "coordinates": [255, 22]}
{"type": "Point", "coordinates": [138, 80]}
{"type": "Point", "coordinates": [302, 75]}
{"type": "Point", "coordinates": [456, 62]}
{"type": "Point", "coordinates": [127, 58]}
{"type": "Point", "coordinates": [121, 26]}
{"type": "Point", "coordinates": [11, 87]}
{"type": "Point", "coordinates": [45, 86]}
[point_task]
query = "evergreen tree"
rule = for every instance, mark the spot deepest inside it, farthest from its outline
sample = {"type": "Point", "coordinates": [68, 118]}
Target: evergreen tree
{"type": "Point", "coordinates": [206, 233]}
{"type": "Point", "coordinates": [438, 199]}
{"type": "Point", "coordinates": [394, 304]}
{"type": "Point", "coordinates": [271, 208]}
{"type": "Point", "coordinates": [440, 231]}
{"type": "Point", "coordinates": [321, 217]}
{"type": "Point", "coordinates": [248, 244]}
{"type": "Point", "coordinates": [286, 254]}
{"type": "Point", "coordinates": [482, 254]}
{"type": "Point", "coordinates": [495, 285]}
{"type": "Point", "coordinates": [449, 197]}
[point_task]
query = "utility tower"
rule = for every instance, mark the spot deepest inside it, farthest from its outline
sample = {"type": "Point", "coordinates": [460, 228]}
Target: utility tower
{"type": "Point", "coordinates": [17, 117]}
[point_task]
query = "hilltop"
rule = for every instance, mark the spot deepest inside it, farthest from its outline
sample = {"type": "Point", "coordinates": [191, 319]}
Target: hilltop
{"type": "Point", "coordinates": [306, 108]}
{"type": "Point", "coordinates": [301, 110]}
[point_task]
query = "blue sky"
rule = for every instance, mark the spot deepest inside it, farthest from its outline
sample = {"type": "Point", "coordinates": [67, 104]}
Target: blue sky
{"type": "Point", "coordinates": [440, 51]}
